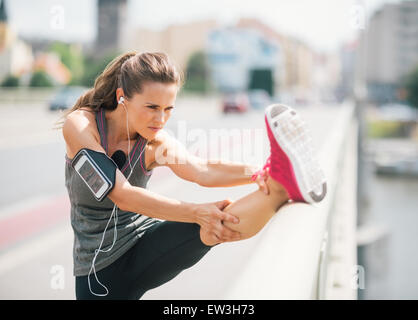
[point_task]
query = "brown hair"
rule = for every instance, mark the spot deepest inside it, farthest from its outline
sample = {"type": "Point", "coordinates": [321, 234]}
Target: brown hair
{"type": "Point", "coordinates": [128, 71]}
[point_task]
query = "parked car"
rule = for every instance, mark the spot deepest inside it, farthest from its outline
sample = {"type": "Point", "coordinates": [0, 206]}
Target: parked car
{"type": "Point", "coordinates": [235, 102]}
{"type": "Point", "coordinates": [259, 98]}
{"type": "Point", "coordinates": [66, 97]}
{"type": "Point", "coordinates": [398, 112]}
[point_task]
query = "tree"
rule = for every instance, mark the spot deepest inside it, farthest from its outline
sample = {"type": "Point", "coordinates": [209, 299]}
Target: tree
{"type": "Point", "coordinates": [411, 85]}
{"type": "Point", "coordinates": [197, 73]}
{"type": "Point", "coordinates": [93, 67]}
{"type": "Point", "coordinates": [71, 56]}
{"type": "Point", "coordinates": [10, 81]}
{"type": "Point", "coordinates": [40, 79]}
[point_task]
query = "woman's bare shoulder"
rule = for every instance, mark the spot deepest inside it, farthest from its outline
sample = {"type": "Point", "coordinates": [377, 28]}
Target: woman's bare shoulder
{"type": "Point", "coordinates": [82, 117]}
{"type": "Point", "coordinates": [80, 130]}
{"type": "Point", "coordinates": [84, 112]}
{"type": "Point", "coordinates": [165, 139]}
{"type": "Point", "coordinates": [160, 144]}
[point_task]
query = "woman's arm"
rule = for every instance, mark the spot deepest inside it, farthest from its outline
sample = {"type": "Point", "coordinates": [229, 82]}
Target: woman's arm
{"type": "Point", "coordinates": [226, 174]}
{"type": "Point", "coordinates": [78, 134]}
{"type": "Point", "coordinates": [209, 216]}
{"type": "Point", "coordinates": [173, 154]}
{"type": "Point", "coordinates": [135, 199]}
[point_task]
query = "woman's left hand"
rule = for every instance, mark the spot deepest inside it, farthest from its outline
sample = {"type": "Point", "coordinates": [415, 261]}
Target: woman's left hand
{"type": "Point", "coordinates": [261, 180]}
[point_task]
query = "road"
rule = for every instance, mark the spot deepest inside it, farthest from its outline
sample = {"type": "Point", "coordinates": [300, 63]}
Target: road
{"type": "Point", "coordinates": [35, 232]}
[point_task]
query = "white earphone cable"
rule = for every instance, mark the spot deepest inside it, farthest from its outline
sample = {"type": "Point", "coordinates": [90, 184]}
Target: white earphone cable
{"type": "Point", "coordinates": [115, 210]}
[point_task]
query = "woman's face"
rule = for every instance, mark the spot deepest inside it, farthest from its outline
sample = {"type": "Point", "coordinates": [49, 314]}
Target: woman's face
{"type": "Point", "coordinates": [150, 110]}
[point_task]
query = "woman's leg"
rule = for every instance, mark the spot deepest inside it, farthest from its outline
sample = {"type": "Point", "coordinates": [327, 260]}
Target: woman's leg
{"type": "Point", "coordinates": [253, 210]}
{"type": "Point", "coordinates": [114, 277]}
{"type": "Point", "coordinates": [165, 250]}
{"type": "Point", "coordinates": [293, 174]}
{"type": "Point", "coordinates": [256, 209]}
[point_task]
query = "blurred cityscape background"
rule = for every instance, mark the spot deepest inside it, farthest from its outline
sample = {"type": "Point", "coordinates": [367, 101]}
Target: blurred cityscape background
{"type": "Point", "coordinates": [237, 58]}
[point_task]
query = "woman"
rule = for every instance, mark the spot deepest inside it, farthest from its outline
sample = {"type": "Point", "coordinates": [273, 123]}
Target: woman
{"type": "Point", "coordinates": [131, 101]}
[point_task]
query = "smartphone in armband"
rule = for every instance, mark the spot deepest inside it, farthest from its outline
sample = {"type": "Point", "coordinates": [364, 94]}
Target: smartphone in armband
{"type": "Point", "coordinates": [88, 169]}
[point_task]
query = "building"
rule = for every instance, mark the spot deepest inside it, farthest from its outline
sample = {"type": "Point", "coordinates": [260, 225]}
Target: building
{"type": "Point", "coordinates": [4, 30]}
{"type": "Point", "coordinates": [390, 49]}
{"type": "Point", "coordinates": [16, 56]}
{"type": "Point", "coordinates": [297, 65]}
{"type": "Point", "coordinates": [112, 17]}
{"type": "Point", "coordinates": [348, 53]}
{"type": "Point", "coordinates": [178, 41]}
{"type": "Point", "coordinates": [327, 78]}
{"type": "Point", "coordinates": [293, 63]}
{"type": "Point", "coordinates": [236, 54]}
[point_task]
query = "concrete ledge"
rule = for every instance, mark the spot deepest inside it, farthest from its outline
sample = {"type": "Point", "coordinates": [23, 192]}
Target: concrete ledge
{"type": "Point", "coordinates": [287, 260]}
{"type": "Point", "coordinates": [342, 276]}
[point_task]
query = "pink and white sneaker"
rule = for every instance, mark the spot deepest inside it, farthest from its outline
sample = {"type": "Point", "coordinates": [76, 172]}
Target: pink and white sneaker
{"type": "Point", "coordinates": [292, 162]}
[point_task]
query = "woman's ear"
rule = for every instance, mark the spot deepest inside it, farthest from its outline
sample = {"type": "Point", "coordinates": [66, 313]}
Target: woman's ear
{"type": "Point", "coordinates": [119, 94]}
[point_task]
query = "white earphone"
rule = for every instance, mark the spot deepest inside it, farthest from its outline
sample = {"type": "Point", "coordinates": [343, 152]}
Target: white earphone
{"type": "Point", "coordinates": [121, 100]}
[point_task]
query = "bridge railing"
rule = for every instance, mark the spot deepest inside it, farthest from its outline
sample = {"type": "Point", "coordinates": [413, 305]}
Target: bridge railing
{"type": "Point", "coordinates": [309, 251]}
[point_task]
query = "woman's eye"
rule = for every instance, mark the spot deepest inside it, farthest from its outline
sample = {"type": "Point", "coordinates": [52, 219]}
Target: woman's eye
{"type": "Point", "coordinates": [155, 107]}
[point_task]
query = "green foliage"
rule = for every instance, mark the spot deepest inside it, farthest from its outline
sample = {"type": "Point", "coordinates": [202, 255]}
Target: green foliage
{"type": "Point", "coordinates": [10, 81]}
{"type": "Point", "coordinates": [72, 57]}
{"type": "Point", "coordinates": [40, 79]}
{"type": "Point", "coordinates": [197, 73]}
{"type": "Point", "coordinates": [411, 85]}
{"type": "Point", "coordinates": [93, 67]}
{"type": "Point", "coordinates": [84, 69]}
{"type": "Point", "coordinates": [384, 129]}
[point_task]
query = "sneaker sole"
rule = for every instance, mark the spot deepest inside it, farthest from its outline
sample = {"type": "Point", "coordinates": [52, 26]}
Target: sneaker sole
{"type": "Point", "coordinates": [292, 136]}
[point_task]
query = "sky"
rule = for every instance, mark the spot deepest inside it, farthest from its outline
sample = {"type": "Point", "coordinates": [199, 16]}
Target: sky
{"type": "Point", "coordinates": [323, 24]}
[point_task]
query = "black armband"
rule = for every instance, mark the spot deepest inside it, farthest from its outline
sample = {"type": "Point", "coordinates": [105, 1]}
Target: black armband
{"type": "Point", "coordinates": [97, 170]}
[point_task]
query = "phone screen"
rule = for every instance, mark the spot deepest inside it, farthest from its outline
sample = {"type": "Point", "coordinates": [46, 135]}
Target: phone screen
{"type": "Point", "coordinates": [91, 176]}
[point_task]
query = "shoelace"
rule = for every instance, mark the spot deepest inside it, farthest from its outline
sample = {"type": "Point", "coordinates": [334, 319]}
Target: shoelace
{"type": "Point", "coordinates": [259, 172]}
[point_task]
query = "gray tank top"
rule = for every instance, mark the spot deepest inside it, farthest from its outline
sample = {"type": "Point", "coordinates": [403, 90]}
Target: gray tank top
{"type": "Point", "coordinates": [90, 217]}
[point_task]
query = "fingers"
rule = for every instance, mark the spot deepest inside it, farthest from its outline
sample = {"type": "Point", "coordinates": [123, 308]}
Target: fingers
{"type": "Point", "coordinates": [231, 236]}
{"type": "Point", "coordinates": [223, 204]}
{"type": "Point", "coordinates": [216, 226]}
{"type": "Point", "coordinates": [221, 236]}
{"type": "Point", "coordinates": [225, 234]}
{"type": "Point", "coordinates": [224, 216]}
{"type": "Point", "coordinates": [264, 187]}
{"type": "Point", "coordinates": [261, 181]}
{"type": "Point", "coordinates": [214, 238]}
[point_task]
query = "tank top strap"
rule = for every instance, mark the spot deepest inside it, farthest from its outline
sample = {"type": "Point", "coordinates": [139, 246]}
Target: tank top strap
{"type": "Point", "coordinates": [137, 150]}
{"type": "Point", "coordinates": [142, 159]}
{"type": "Point", "coordinates": [102, 128]}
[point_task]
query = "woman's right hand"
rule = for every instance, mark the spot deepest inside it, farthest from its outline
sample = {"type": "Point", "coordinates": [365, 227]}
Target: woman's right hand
{"type": "Point", "coordinates": [210, 217]}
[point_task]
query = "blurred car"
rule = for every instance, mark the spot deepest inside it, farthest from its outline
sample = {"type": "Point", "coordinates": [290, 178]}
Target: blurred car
{"type": "Point", "coordinates": [66, 97]}
{"type": "Point", "coordinates": [259, 99]}
{"type": "Point", "coordinates": [235, 102]}
{"type": "Point", "coordinates": [398, 112]}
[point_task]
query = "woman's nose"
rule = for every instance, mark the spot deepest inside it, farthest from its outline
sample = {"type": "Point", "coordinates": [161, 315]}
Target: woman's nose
{"type": "Point", "coordinates": [160, 116]}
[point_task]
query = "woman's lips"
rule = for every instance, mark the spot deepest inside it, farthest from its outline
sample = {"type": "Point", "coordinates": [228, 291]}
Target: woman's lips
{"type": "Point", "coordinates": [155, 129]}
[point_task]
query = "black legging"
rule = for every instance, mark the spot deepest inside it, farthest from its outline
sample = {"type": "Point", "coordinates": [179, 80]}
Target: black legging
{"type": "Point", "coordinates": [166, 249]}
